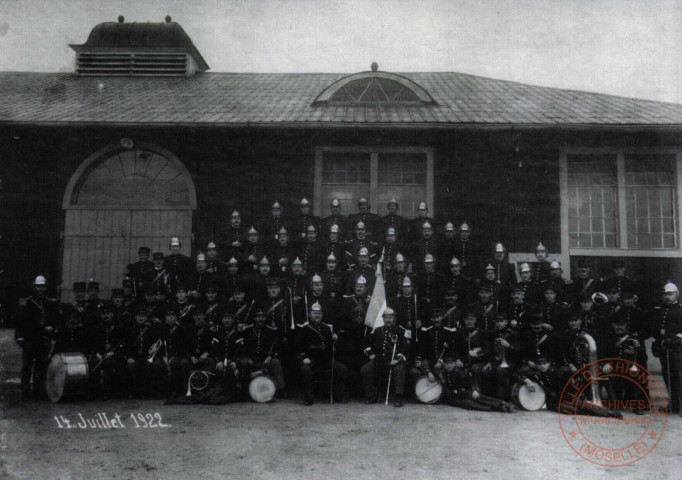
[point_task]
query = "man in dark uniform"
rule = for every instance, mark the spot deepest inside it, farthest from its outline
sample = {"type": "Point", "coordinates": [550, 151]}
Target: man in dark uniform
{"type": "Point", "coordinates": [467, 252]}
{"type": "Point", "coordinates": [283, 253]}
{"type": "Point", "coordinates": [273, 225]}
{"type": "Point", "coordinates": [484, 309]}
{"type": "Point", "coordinates": [184, 307]}
{"type": "Point", "coordinates": [361, 269]}
{"type": "Point", "coordinates": [394, 278]}
{"type": "Point", "coordinates": [232, 279]}
{"type": "Point", "coordinates": [552, 314]}
{"type": "Point", "coordinates": [407, 310]}
{"type": "Point", "coordinates": [37, 320]}
{"type": "Point", "coordinates": [372, 221]}
{"type": "Point", "coordinates": [304, 220]}
{"type": "Point", "coordinates": [128, 290]}
{"type": "Point", "coordinates": [430, 285]}
{"type": "Point", "coordinates": [335, 219]}
{"type": "Point", "coordinates": [225, 351]}
{"type": "Point", "coordinates": [517, 308]}
{"type": "Point", "coordinates": [333, 280]}
{"type": "Point", "coordinates": [619, 280]}
{"type": "Point", "coordinates": [425, 245]}
{"type": "Point", "coordinates": [311, 252]}
{"type": "Point", "coordinates": [276, 309]}
{"type": "Point", "coordinates": [335, 246]}
{"type": "Point", "coordinates": [452, 310]}
{"type": "Point", "coordinates": [361, 241]}
{"type": "Point", "coordinates": [535, 343]}
{"type": "Point", "coordinates": [199, 341]}
{"type": "Point", "coordinates": [138, 374]}
{"type": "Point", "coordinates": [390, 249]}
{"type": "Point", "coordinates": [500, 294]}
{"type": "Point", "coordinates": [261, 350]}
{"type": "Point", "coordinates": [252, 252]}
{"type": "Point", "coordinates": [199, 279]}
{"type": "Point", "coordinates": [461, 390]}
{"type": "Point", "coordinates": [317, 295]}
{"type": "Point", "coordinates": [72, 336]}
{"type": "Point", "coordinates": [176, 264]}
{"type": "Point", "coordinates": [142, 271]}
{"type": "Point", "coordinates": [80, 303]}
{"type": "Point", "coordinates": [562, 287]}
{"type": "Point", "coordinates": [501, 365]}
{"type": "Point", "coordinates": [258, 283]}
{"type": "Point", "coordinates": [316, 344]}
{"type": "Point", "coordinates": [175, 354]}
{"type": "Point", "coordinates": [531, 290]}
{"type": "Point", "coordinates": [387, 349]}
{"type": "Point", "coordinates": [163, 283]}
{"type": "Point", "coordinates": [121, 312]}
{"type": "Point", "coordinates": [447, 246]}
{"type": "Point", "coordinates": [505, 273]}
{"type": "Point", "coordinates": [471, 347]}
{"type": "Point", "coordinates": [436, 343]}
{"type": "Point", "coordinates": [94, 303]}
{"type": "Point", "coordinates": [297, 289]}
{"type": "Point", "coordinates": [392, 219]}
{"type": "Point", "coordinates": [415, 225]}
{"type": "Point", "coordinates": [456, 280]}
{"type": "Point", "coordinates": [540, 268]}
{"type": "Point", "coordinates": [668, 344]}
{"type": "Point", "coordinates": [106, 343]}
{"type": "Point", "coordinates": [216, 266]}
{"type": "Point", "coordinates": [234, 237]}
{"type": "Point", "coordinates": [213, 307]}
{"type": "Point", "coordinates": [584, 283]}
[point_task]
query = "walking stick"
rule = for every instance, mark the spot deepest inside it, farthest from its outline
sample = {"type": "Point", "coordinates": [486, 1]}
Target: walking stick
{"type": "Point", "coordinates": [394, 339]}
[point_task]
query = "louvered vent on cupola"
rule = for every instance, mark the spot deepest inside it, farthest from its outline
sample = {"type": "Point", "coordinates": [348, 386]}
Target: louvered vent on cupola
{"type": "Point", "coordinates": [138, 49]}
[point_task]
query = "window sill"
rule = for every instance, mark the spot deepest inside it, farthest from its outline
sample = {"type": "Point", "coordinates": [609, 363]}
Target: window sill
{"type": "Point", "coordinates": [617, 252]}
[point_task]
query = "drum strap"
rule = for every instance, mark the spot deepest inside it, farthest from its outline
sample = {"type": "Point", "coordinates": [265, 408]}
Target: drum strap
{"type": "Point", "coordinates": [240, 310]}
{"type": "Point", "coordinates": [619, 342]}
{"type": "Point", "coordinates": [447, 314]}
{"type": "Point", "coordinates": [213, 307]}
{"type": "Point", "coordinates": [587, 285]}
{"type": "Point", "coordinates": [542, 340]}
{"type": "Point", "coordinates": [159, 275]}
{"type": "Point", "coordinates": [472, 335]}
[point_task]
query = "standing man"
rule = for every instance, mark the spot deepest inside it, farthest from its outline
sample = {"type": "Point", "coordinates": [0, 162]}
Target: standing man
{"type": "Point", "coordinates": [392, 219]}
{"type": "Point", "coordinates": [335, 219]}
{"type": "Point", "coordinates": [176, 264]}
{"type": "Point", "coordinates": [38, 319]}
{"type": "Point", "coordinates": [234, 237]}
{"type": "Point", "coordinates": [668, 344]}
{"type": "Point", "coordinates": [467, 252]}
{"type": "Point", "coordinates": [304, 220]}
{"type": "Point", "coordinates": [142, 271]}
{"type": "Point", "coordinates": [273, 225]}
{"type": "Point", "coordinates": [371, 220]}
{"type": "Point", "coordinates": [416, 224]}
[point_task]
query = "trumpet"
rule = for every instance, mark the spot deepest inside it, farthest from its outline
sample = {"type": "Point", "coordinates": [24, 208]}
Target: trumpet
{"type": "Point", "coordinates": [198, 380]}
{"type": "Point", "coordinates": [154, 349]}
{"type": "Point", "coordinates": [503, 353]}
{"type": "Point", "coordinates": [599, 298]}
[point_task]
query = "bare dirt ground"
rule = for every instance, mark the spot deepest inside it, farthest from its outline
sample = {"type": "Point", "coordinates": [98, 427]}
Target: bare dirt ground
{"type": "Point", "coordinates": [286, 440]}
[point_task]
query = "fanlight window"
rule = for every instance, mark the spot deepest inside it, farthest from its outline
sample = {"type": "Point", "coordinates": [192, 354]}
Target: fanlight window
{"type": "Point", "coordinates": [374, 90]}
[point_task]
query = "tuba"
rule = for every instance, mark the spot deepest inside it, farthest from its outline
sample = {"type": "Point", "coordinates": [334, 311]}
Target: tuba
{"type": "Point", "coordinates": [599, 298]}
{"type": "Point", "coordinates": [584, 351]}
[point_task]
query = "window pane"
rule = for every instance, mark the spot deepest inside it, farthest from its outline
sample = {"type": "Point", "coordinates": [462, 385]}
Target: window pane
{"type": "Point", "coordinates": [402, 169]}
{"type": "Point", "coordinates": [593, 192]}
{"type": "Point", "coordinates": [347, 168]}
{"type": "Point", "coordinates": [650, 208]}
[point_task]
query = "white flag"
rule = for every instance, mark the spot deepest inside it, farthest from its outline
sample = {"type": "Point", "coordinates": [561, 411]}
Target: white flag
{"type": "Point", "coordinates": [377, 305]}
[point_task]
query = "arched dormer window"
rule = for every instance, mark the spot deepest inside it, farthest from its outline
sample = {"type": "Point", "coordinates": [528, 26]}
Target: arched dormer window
{"type": "Point", "coordinates": [375, 87]}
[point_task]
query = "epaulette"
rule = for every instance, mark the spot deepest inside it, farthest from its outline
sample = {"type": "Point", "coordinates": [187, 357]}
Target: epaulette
{"type": "Point", "coordinates": [301, 325]}
{"type": "Point", "coordinates": [348, 296]}
{"type": "Point", "coordinates": [452, 330]}
{"type": "Point", "coordinates": [426, 329]}
{"type": "Point", "coordinates": [272, 327]}
{"type": "Point", "coordinates": [50, 299]}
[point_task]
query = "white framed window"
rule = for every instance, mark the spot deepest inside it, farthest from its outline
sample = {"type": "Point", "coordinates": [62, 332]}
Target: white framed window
{"type": "Point", "coordinates": [376, 173]}
{"type": "Point", "coordinates": [621, 202]}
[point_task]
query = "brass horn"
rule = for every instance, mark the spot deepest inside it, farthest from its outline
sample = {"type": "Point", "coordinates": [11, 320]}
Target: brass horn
{"type": "Point", "coordinates": [599, 298]}
{"type": "Point", "coordinates": [584, 351]}
{"type": "Point", "coordinates": [153, 350]}
{"type": "Point", "coordinates": [198, 380]}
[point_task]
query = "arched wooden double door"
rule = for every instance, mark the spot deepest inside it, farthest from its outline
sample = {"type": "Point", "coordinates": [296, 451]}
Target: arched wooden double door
{"type": "Point", "coordinates": [118, 200]}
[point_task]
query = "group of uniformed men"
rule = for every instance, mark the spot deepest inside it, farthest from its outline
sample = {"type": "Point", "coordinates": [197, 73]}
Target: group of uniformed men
{"type": "Point", "coordinates": [283, 301]}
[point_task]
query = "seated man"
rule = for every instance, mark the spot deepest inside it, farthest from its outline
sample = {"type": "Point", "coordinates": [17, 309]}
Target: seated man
{"type": "Point", "coordinates": [387, 349]}
{"type": "Point", "coordinates": [316, 347]}
{"type": "Point", "coordinates": [199, 340]}
{"type": "Point", "coordinates": [471, 347]}
{"type": "Point", "coordinates": [436, 344]}
{"type": "Point", "coordinates": [260, 351]}
{"type": "Point", "coordinates": [140, 339]}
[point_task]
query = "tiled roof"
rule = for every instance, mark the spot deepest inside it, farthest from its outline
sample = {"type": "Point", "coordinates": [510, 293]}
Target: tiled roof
{"type": "Point", "coordinates": [283, 98]}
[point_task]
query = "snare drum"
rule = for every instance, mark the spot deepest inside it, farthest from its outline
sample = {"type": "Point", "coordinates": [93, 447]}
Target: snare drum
{"type": "Point", "coordinates": [428, 392]}
{"type": "Point", "coordinates": [67, 374]}
{"type": "Point", "coordinates": [262, 389]}
{"type": "Point", "coordinates": [528, 395]}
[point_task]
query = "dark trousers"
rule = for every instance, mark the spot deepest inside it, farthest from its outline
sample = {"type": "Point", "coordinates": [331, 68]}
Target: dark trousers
{"type": "Point", "coordinates": [33, 366]}
{"type": "Point", "coordinates": [372, 373]}
{"type": "Point", "coordinates": [671, 362]}
{"type": "Point", "coordinates": [180, 367]}
{"type": "Point", "coordinates": [340, 379]}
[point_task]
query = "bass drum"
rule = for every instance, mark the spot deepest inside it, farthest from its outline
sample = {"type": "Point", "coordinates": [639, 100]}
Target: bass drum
{"type": "Point", "coordinates": [528, 395]}
{"type": "Point", "coordinates": [427, 391]}
{"type": "Point", "coordinates": [262, 389]}
{"type": "Point", "coordinates": [67, 375]}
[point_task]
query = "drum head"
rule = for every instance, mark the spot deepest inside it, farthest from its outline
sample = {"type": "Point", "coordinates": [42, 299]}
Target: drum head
{"type": "Point", "coordinates": [529, 398]}
{"type": "Point", "coordinates": [428, 392]}
{"type": "Point", "coordinates": [55, 378]}
{"type": "Point", "coordinates": [262, 389]}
